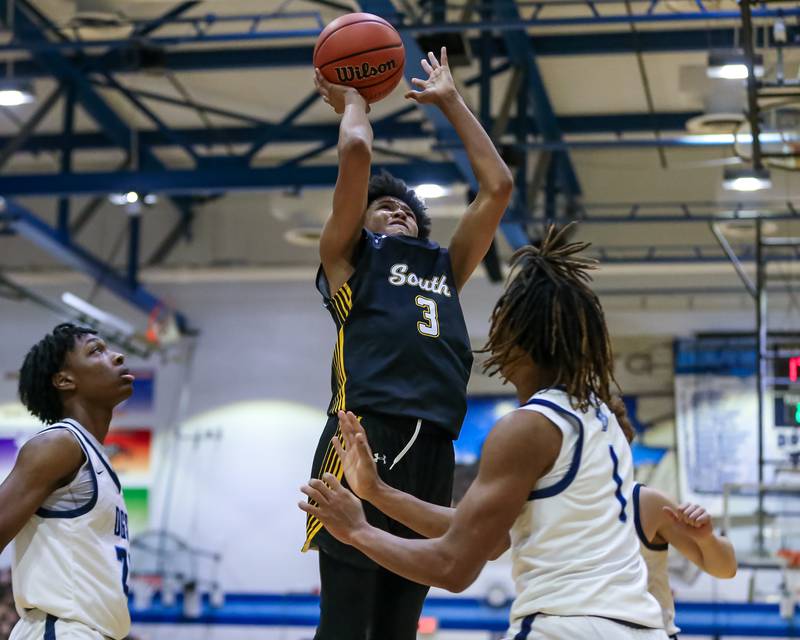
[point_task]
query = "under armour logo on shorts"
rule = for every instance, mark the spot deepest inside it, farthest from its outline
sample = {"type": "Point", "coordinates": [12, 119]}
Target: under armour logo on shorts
{"type": "Point", "coordinates": [377, 457]}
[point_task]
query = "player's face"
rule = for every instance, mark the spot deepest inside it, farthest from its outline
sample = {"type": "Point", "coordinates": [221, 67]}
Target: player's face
{"type": "Point", "coordinates": [97, 373]}
{"type": "Point", "coordinates": [391, 217]}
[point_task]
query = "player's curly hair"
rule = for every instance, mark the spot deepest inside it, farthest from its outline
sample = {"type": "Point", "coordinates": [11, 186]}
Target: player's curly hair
{"type": "Point", "coordinates": [44, 360]}
{"type": "Point", "coordinates": [385, 184]}
{"type": "Point", "coordinates": [549, 312]}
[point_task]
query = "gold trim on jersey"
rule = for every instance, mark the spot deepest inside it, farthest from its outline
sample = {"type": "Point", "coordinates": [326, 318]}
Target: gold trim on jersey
{"type": "Point", "coordinates": [332, 463]}
{"type": "Point", "coordinates": [341, 303]}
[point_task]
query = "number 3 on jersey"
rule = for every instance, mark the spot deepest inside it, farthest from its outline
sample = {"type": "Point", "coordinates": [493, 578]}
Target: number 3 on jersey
{"type": "Point", "coordinates": [430, 312]}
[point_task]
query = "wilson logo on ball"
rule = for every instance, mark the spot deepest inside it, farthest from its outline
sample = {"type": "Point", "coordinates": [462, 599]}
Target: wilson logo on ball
{"type": "Point", "coordinates": [348, 73]}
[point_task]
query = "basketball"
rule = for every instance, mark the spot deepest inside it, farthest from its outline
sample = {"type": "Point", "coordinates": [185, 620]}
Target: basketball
{"type": "Point", "coordinates": [363, 51]}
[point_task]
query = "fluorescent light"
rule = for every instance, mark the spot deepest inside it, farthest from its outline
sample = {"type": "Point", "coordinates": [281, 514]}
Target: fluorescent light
{"type": "Point", "coordinates": [428, 190]}
{"type": "Point", "coordinates": [15, 97]}
{"type": "Point", "coordinates": [150, 198]}
{"type": "Point", "coordinates": [732, 65]}
{"type": "Point", "coordinates": [746, 179]}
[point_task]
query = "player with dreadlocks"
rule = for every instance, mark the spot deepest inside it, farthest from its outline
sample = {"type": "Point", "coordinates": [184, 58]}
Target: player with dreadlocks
{"type": "Point", "coordinates": [557, 472]}
{"type": "Point", "coordinates": [62, 502]}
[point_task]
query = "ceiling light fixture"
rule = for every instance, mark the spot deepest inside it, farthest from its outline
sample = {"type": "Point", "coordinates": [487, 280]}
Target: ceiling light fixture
{"type": "Point", "coordinates": [430, 190]}
{"type": "Point", "coordinates": [746, 179]}
{"type": "Point", "coordinates": [732, 65]}
{"type": "Point", "coordinates": [14, 93]}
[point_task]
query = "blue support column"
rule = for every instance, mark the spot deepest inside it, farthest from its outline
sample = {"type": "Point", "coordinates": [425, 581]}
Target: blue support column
{"type": "Point", "coordinates": [66, 159]}
{"type": "Point", "coordinates": [134, 228]}
{"type": "Point", "coordinates": [522, 53]}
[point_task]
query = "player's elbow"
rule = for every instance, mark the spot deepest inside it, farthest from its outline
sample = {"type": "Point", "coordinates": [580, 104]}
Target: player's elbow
{"type": "Point", "coordinates": [501, 548]}
{"type": "Point", "coordinates": [457, 576]}
{"type": "Point", "coordinates": [501, 187]}
{"type": "Point", "coordinates": [355, 146]}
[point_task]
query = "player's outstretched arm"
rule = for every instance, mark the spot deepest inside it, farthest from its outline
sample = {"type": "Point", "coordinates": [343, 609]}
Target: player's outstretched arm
{"type": "Point", "coordinates": [343, 227]}
{"type": "Point", "coordinates": [429, 520]}
{"type": "Point", "coordinates": [44, 464]}
{"type": "Point", "coordinates": [358, 465]}
{"type": "Point", "coordinates": [689, 529]}
{"type": "Point", "coordinates": [475, 232]}
{"type": "Point", "coordinates": [517, 452]}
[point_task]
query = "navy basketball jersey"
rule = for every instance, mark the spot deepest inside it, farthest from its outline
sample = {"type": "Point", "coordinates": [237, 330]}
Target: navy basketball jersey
{"type": "Point", "coordinates": [402, 347]}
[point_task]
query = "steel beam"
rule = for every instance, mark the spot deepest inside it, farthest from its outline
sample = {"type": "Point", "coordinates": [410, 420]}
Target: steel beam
{"type": "Point", "coordinates": [128, 58]}
{"type": "Point", "coordinates": [444, 130]}
{"type": "Point", "coordinates": [30, 22]}
{"type": "Point", "coordinates": [40, 233]}
{"type": "Point", "coordinates": [216, 179]}
{"type": "Point", "coordinates": [522, 53]}
{"type": "Point", "coordinates": [396, 130]}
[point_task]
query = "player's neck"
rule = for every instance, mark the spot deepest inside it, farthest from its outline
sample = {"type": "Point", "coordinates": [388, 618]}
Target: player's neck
{"type": "Point", "coordinates": [95, 420]}
{"type": "Point", "coordinates": [534, 381]}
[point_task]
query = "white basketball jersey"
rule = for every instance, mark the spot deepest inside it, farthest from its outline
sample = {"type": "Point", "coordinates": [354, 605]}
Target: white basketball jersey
{"type": "Point", "coordinates": [71, 558]}
{"type": "Point", "coordinates": [655, 557]}
{"type": "Point", "coordinates": [574, 547]}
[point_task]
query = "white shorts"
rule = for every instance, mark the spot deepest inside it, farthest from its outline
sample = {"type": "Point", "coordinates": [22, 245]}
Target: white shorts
{"type": "Point", "coordinates": [37, 625]}
{"type": "Point", "coordinates": [544, 627]}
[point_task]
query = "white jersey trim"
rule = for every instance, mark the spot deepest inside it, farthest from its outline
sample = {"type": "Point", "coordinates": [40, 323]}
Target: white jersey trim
{"type": "Point", "coordinates": [566, 480]}
{"type": "Point", "coordinates": [637, 521]}
{"type": "Point", "coordinates": [43, 512]}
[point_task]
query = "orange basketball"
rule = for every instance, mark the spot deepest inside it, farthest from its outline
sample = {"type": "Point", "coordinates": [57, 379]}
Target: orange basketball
{"type": "Point", "coordinates": [363, 51]}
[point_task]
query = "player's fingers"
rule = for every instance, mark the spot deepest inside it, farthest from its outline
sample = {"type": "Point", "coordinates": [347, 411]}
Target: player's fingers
{"type": "Point", "coordinates": [322, 486]}
{"type": "Point", "coordinates": [309, 508]}
{"type": "Point", "coordinates": [434, 61]}
{"type": "Point", "coordinates": [672, 513]}
{"type": "Point", "coordinates": [443, 57]}
{"type": "Point", "coordinates": [313, 493]}
{"type": "Point", "coordinates": [337, 446]}
{"type": "Point", "coordinates": [332, 482]}
{"type": "Point", "coordinates": [418, 83]}
{"type": "Point", "coordinates": [694, 513]}
{"type": "Point", "coordinates": [703, 519]}
{"type": "Point", "coordinates": [426, 67]}
{"type": "Point", "coordinates": [363, 445]}
{"type": "Point", "coordinates": [412, 95]}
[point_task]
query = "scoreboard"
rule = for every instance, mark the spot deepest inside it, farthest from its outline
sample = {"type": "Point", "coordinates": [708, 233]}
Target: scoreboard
{"type": "Point", "coordinates": [786, 401]}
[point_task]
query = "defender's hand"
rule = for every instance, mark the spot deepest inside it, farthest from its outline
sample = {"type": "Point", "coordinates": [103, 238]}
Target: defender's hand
{"type": "Point", "coordinates": [356, 456]}
{"type": "Point", "coordinates": [693, 519]}
{"type": "Point", "coordinates": [336, 507]}
{"type": "Point", "coordinates": [337, 95]}
{"type": "Point", "coordinates": [439, 87]}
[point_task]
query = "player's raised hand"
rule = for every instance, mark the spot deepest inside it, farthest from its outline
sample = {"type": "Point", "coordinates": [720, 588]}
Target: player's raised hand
{"type": "Point", "coordinates": [337, 95]}
{"type": "Point", "coordinates": [439, 87]}
{"type": "Point", "coordinates": [336, 507]}
{"type": "Point", "coordinates": [356, 456]}
{"type": "Point", "coordinates": [693, 518]}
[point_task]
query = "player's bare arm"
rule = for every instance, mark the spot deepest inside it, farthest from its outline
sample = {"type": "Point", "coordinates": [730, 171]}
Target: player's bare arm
{"type": "Point", "coordinates": [358, 464]}
{"type": "Point", "coordinates": [343, 227]}
{"type": "Point", "coordinates": [520, 449]}
{"type": "Point", "coordinates": [688, 528]}
{"type": "Point", "coordinates": [474, 234]}
{"type": "Point", "coordinates": [44, 464]}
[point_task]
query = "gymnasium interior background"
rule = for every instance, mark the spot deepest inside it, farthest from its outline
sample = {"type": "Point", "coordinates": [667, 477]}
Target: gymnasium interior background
{"type": "Point", "coordinates": [168, 180]}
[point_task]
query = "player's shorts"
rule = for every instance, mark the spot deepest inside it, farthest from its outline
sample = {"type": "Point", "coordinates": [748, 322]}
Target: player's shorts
{"type": "Point", "coordinates": [544, 627]}
{"type": "Point", "coordinates": [420, 464]}
{"type": "Point", "coordinates": [37, 625]}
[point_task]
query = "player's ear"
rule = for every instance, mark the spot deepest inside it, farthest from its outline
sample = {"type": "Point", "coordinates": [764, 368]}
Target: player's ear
{"type": "Point", "coordinates": [63, 380]}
